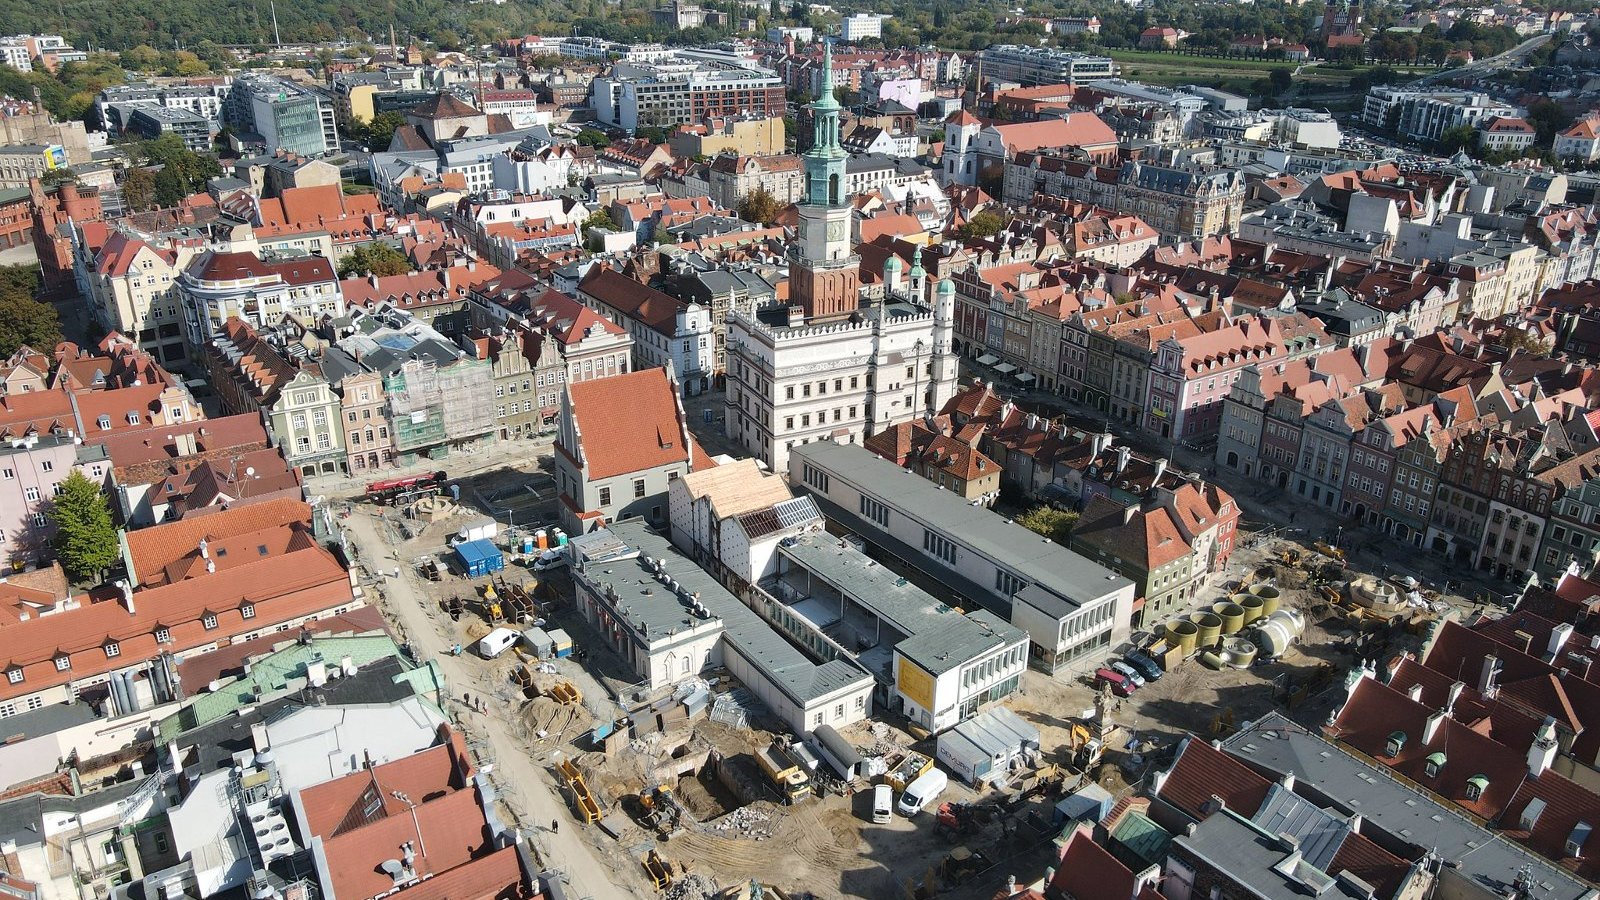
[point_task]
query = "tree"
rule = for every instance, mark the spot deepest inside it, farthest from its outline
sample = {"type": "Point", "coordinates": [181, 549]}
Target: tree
{"type": "Point", "coordinates": [381, 260]}
{"type": "Point", "coordinates": [143, 57]}
{"type": "Point", "coordinates": [759, 206]}
{"type": "Point", "coordinates": [601, 219]}
{"type": "Point", "coordinates": [651, 133]}
{"type": "Point", "coordinates": [981, 225]}
{"type": "Point", "coordinates": [1517, 340]}
{"type": "Point", "coordinates": [590, 137]}
{"type": "Point", "coordinates": [139, 189]}
{"type": "Point", "coordinates": [380, 131]}
{"type": "Point", "coordinates": [1055, 524]}
{"type": "Point", "coordinates": [86, 538]}
{"type": "Point", "coordinates": [170, 187]}
{"type": "Point", "coordinates": [1462, 137]}
{"type": "Point", "coordinates": [1281, 80]}
{"type": "Point", "coordinates": [24, 320]}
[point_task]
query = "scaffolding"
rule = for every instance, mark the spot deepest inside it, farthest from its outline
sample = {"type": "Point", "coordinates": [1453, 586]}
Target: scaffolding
{"type": "Point", "coordinates": [434, 407]}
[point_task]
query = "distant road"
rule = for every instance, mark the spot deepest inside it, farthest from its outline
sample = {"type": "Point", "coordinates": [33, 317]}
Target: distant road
{"type": "Point", "coordinates": [1511, 57]}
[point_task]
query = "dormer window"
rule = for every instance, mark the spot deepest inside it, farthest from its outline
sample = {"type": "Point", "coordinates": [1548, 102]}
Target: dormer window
{"type": "Point", "coordinates": [113, 649]}
{"type": "Point", "coordinates": [1578, 837]}
{"type": "Point", "coordinates": [163, 635]}
{"type": "Point", "coordinates": [1476, 785]}
{"type": "Point", "coordinates": [63, 663]}
{"type": "Point", "coordinates": [209, 620]}
{"type": "Point", "coordinates": [1397, 742]}
{"type": "Point", "coordinates": [14, 675]}
{"type": "Point", "coordinates": [248, 610]}
{"type": "Point", "coordinates": [1434, 765]}
{"type": "Point", "coordinates": [104, 422]}
{"type": "Point", "coordinates": [133, 418]}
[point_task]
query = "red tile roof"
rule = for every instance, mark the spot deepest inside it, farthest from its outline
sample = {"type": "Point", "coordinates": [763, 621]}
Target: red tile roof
{"type": "Point", "coordinates": [335, 807]}
{"type": "Point", "coordinates": [277, 588]}
{"type": "Point", "coordinates": [1372, 864]}
{"type": "Point", "coordinates": [446, 833]}
{"type": "Point", "coordinates": [628, 423]}
{"type": "Point", "coordinates": [1202, 772]}
{"type": "Point", "coordinates": [1088, 871]}
{"type": "Point", "coordinates": [153, 550]}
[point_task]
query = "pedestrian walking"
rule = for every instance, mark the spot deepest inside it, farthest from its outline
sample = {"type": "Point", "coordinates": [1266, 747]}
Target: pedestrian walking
{"type": "Point", "coordinates": [555, 826]}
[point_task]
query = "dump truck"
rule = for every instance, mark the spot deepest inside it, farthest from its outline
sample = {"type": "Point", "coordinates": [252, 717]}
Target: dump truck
{"type": "Point", "coordinates": [790, 780]}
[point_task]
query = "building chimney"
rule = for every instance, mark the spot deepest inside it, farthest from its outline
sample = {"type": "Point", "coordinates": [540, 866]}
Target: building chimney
{"type": "Point", "coordinates": [1543, 750]}
{"type": "Point", "coordinates": [1455, 694]}
{"type": "Point", "coordinates": [1558, 640]}
{"type": "Point", "coordinates": [1489, 677]}
{"type": "Point", "coordinates": [126, 590]}
{"type": "Point", "coordinates": [1431, 727]}
{"type": "Point", "coordinates": [1161, 469]}
{"type": "Point", "coordinates": [1122, 458]}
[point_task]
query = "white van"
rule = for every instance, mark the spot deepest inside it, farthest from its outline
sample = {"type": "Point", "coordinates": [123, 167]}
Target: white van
{"type": "Point", "coordinates": [496, 642]}
{"type": "Point", "coordinates": [882, 804]}
{"type": "Point", "coordinates": [923, 791]}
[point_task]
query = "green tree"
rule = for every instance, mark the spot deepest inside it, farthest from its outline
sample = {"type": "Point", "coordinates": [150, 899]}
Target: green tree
{"type": "Point", "coordinates": [982, 225]}
{"type": "Point", "coordinates": [86, 538]}
{"type": "Point", "coordinates": [759, 206]}
{"type": "Point", "coordinates": [170, 187]}
{"type": "Point", "coordinates": [380, 131]}
{"type": "Point", "coordinates": [590, 137]}
{"type": "Point", "coordinates": [381, 260]}
{"type": "Point", "coordinates": [139, 189]}
{"type": "Point", "coordinates": [24, 320]}
{"type": "Point", "coordinates": [1280, 79]}
{"type": "Point", "coordinates": [651, 133]}
{"type": "Point", "coordinates": [1055, 524]}
{"type": "Point", "coordinates": [1462, 137]}
{"type": "Point", "coordinates": [600, 218]}
{"type": "Point", "coordinates": [144, 57]}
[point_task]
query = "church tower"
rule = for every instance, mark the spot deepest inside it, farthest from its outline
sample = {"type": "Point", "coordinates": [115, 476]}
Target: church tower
{"type": "Point", "coordinates": [824, 275]}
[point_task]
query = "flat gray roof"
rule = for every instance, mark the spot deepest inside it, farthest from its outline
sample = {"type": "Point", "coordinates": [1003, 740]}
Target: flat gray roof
{"type": "Point", "coordinates": [1009, 545]}
{"type": "Point", "coordinates": [938, 638]}
{"type": "Point", "coordinates": [791, 671]}
{"type": "Point", "coordinates": [1277, 746]}
{"type": "Point", "coordinates": [1252, 856]}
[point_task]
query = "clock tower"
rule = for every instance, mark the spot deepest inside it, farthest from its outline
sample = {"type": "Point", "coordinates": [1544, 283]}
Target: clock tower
{"type": "Point", "coordinates": [824, 275]}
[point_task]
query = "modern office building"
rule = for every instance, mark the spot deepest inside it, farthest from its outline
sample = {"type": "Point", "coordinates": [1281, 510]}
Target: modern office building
{"type": "Point", "coordinates": [154, 121]}
{"type": "Point", "coordinates": [669, 92]}
{"type": "Point", "coordinates": [1030, 66]}
{"type": "Point", "coordinates": [285, 115]}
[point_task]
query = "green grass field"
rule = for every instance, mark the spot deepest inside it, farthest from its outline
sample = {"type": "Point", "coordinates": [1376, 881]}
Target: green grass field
{"type": "Point", "coordinates": [1236, 74]}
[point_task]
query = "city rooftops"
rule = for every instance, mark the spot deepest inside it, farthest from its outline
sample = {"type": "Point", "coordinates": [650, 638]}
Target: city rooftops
{"type": "Point", "coordinates": [1008, 545]}
{"type": "Point", "coordinates": [939, 637]}
{"type": "Point", "coordinates": [1269, 866]}
{"type": "Point", "coordinates": [1276, 747]}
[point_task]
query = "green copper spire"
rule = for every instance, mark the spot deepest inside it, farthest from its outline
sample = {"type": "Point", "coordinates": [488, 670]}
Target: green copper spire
{"type": "Point", "coordinates": [916, 262]}
{"type": "Point", "coordinates": [825, 160]}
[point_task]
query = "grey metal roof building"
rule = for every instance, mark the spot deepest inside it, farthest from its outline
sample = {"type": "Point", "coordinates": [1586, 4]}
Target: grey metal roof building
{"type": "Point", "coordinates": [667, 604]}
{"type": "Point", "coordinates": [1072, 608]}
{"type": "Point", "coordinates": [1258, 861]}
{"type": "Point", "coordinates": [1411, 823]}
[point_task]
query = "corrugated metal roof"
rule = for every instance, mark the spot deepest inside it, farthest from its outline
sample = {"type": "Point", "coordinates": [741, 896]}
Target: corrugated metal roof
{"type": "Point", "coordinates": [1319, 832]}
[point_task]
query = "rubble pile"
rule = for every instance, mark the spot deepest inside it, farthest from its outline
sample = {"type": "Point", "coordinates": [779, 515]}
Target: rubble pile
{"type": "Point", "coordinates": [691, 887]}
{"type": "Point", "coordinates": [745, 822]}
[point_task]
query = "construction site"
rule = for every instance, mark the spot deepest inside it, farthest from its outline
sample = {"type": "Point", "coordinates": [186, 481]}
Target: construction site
{"type": "Point", "coordinates": [694, 789]}
{"type": "Point", "coordinates": [440, 406]}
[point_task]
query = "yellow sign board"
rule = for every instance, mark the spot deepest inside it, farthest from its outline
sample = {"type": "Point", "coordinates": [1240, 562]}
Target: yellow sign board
{"type": "Point", "coordinates": [915, 684]}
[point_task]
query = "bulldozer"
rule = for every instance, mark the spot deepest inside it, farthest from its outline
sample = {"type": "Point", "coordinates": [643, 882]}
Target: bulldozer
{"type": "Point", "coordinates": [659, 810]}
{"type": "Point", "coordinates": [961, 864]}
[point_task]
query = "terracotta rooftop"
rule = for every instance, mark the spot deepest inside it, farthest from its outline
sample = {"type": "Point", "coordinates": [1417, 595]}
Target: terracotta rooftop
{"type": "Point", "coordinates": [628, 423]}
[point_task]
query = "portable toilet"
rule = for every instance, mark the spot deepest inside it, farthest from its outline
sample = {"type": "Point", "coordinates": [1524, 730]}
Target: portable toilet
{"type": "Point", "coordinates": [538, 640]}
{"type": "Point", "coordinates": [562, 642]}
{"type": "Point", "coordinates": [561, 538]}
{"type": "Point", "coordinates": [542, 538]}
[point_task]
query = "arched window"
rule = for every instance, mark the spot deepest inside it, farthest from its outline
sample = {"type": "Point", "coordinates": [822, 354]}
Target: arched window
{"type": "Point", "coordinates": [833, 188]}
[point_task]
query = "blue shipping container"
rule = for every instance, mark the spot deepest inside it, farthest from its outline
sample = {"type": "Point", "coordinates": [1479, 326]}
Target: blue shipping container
{"type": "Point", "coordinates": [480, 558]}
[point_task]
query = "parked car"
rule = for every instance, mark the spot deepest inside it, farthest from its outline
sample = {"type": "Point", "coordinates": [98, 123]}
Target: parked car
{"type": "Point", "coordinates": [1120, 684]}
{"type": "Point", "coordinates": [1146, 666]}
{"type": "Point", "coordinates": [1128, 672]}
{"type": "Point", "coordinates": [550, 559]}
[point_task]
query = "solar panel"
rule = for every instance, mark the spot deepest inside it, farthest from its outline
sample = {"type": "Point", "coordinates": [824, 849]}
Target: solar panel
{"type": "Point", "coordinates": [796, 511]}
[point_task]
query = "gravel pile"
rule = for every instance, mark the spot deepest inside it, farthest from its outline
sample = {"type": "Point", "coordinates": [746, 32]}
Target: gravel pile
{"type": "Point", "coordinates": [745, 822]}
{"type": "Point", "coordinates": [690, 887]}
